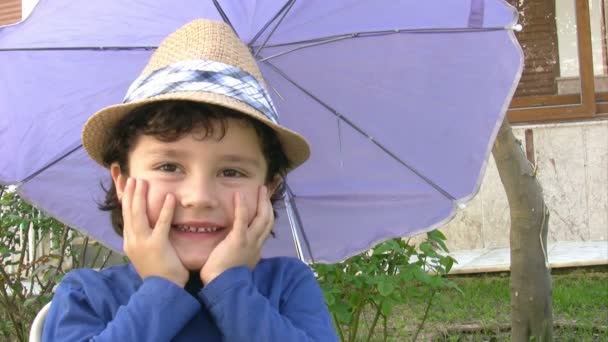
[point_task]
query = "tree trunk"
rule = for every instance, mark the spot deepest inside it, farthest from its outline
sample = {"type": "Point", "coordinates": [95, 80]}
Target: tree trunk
{"type": "Point", "coordinates": [531, 309]}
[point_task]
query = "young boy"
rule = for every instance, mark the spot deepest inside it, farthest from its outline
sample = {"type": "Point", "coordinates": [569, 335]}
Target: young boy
{"type": "Point", "coordinates": [196, 156]}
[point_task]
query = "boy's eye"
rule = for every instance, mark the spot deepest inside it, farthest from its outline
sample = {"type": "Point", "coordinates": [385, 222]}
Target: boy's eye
{"type": "Point", "coordinates": [168, 167]}
{"type": "Point", "coordinates": [231, 173]}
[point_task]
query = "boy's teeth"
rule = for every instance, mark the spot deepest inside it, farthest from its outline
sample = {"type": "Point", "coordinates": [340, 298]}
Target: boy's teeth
{"type": "Point", "coordinates": [191, 229]}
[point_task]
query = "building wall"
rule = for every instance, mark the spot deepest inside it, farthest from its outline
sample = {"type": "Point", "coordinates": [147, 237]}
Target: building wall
{"type": "Point", "coordinates": [572, 168]}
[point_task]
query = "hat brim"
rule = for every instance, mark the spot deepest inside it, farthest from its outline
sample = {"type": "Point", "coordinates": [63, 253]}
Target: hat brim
{"type": "Point", "coordinates": [97, 131]}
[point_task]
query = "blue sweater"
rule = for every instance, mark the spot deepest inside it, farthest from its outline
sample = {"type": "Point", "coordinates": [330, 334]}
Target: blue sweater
{"type": "Point", "coordinates": [279, 301]}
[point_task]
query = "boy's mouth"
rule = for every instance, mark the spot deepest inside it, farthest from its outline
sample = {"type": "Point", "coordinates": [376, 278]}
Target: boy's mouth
{"type": "Point", "coordinates": [196, 229]}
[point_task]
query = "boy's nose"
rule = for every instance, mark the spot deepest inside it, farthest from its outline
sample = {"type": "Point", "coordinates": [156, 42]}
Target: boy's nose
{"type": "Point", "coordinates": [199, 193]}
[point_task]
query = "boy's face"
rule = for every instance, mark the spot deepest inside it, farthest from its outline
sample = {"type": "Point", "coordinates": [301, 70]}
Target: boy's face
{"type": "Point", "coordinates": [204, 175]}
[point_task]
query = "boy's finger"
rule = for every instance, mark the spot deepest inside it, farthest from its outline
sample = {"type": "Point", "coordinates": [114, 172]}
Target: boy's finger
{"type": "Point", "coordinates": [163, 224]}
{"type": "Point", "coordinates": [269, 219]}
{"type": "Point", "coordinates": [127, 201]}
{"type": "Point", "coordinates": [263, 236]}
{"type": "Point", "coordinates": [139, 218]}
{"type": "Point", "coordinates": [240, 214]}
{"type": "Point", "coordinates": [260, 222]}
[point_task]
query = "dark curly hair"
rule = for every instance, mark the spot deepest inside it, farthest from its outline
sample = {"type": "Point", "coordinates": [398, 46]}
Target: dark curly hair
{"type": "Point", "coordinates": [170, 121]}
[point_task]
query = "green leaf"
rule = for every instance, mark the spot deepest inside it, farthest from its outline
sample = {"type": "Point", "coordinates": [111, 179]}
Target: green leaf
{"type": "Point", "coordinates": [5, 251]}
{"type": "Point", "coordinates": [371, 281]}
{"type": "Point", "coordinates": [448, 262]}
{"type": "Point", "coordinates": [342, 313]}
{"type": "Point", "coordinates": [385, 288]}
{"type": "Point", "coordinates": [386, 308]}
{"type": "Point", "coordinates": [45, 298]}
{"type": "Point", "coordinates": [30, 301]}
{"type": "Point", "coordinates": [426, 248]}
{"type": "Point", "coordinates": [387, 246]}
{"type": "Point", "coordinates": [438, 238]}
{"type": "Point", "coordinates": [436, 235]}
{"type": "Point", "coordinates": [436, 281]}
{"type": "Point", "coordinates": [421, 276]}
{"type": "Point", "coordinates": [407, 274]}
{"type": "Point", "coordinates": [355, 299]}
{"type": "Point", "coordinates": [17, 287]}
{"type": "Point", "coordinates": [381, 249]}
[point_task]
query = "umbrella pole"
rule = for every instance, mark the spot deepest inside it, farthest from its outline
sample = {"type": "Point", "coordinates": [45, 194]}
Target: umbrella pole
{"type": "Point", "coordinates": [294, 224]}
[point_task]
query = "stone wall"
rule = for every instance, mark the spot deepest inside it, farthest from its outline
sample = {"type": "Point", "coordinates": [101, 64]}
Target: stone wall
{"type": "Point", "coordinates": [572, 167]}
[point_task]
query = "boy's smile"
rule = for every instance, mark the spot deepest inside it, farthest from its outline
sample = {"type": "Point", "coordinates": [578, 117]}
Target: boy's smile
{"type": "Point", "coordinates": [203, 174]}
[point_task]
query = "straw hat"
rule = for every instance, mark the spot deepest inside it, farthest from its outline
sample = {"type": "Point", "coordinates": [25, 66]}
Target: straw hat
{"type": "Point", "coordinates": [199, 40]}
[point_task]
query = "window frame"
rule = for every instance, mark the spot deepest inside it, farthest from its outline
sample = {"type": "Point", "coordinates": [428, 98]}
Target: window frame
{"type": "Point", "coordinates": [588, 105]}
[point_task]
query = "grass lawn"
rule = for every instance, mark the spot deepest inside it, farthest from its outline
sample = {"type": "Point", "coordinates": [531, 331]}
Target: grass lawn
{"type": "Point", "coordinates": [580, 309]}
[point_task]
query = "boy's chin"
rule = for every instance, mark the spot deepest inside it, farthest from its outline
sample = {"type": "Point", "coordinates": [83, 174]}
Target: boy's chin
{"type": "Point", "coordinates": [194, 263]}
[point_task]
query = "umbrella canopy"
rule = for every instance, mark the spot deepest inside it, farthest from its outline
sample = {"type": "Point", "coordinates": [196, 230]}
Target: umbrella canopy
{"type": "Point", "coordinates": [400, 100]}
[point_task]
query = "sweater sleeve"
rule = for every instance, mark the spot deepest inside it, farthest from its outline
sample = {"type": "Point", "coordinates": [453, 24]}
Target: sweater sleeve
{"type": "Point", "coordinates": [157, 311]}
{"type": "Point", "coordinates": [242, 313]}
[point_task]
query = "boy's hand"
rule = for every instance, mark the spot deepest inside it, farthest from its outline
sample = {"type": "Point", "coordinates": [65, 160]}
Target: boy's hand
{"type": "Point", "coordinates": [243, 245]}
{"type": "Point", "coordinates": [149, 249]}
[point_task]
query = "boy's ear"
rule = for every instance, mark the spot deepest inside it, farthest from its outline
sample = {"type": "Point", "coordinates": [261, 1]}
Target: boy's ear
{"type": "Point", "coordinates": [120, 180]}
{"type": "Point", "coordinates": [274, 185]}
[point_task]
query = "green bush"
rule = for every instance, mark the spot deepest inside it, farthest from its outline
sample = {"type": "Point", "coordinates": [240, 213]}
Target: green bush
{"type": "Point", "coordinates": [378, 280]}
{"type": "Point", "coordinates": [36, 253]}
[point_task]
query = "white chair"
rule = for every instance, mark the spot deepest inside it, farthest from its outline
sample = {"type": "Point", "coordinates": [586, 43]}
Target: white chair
{"type": "Point", "coordinates": [38, 324]}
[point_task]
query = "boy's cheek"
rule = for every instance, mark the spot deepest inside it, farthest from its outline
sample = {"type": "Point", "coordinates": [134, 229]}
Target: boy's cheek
{"type": "Point", "coordinates": [154, 203]}
{"type": "Point", "coordinates": [156, 195]}
{"type": "Point", "coordinates": [251, 203]}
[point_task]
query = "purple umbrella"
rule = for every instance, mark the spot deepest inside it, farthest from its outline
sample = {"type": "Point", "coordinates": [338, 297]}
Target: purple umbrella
{"type": "Point", "coordinates": [400, 100]}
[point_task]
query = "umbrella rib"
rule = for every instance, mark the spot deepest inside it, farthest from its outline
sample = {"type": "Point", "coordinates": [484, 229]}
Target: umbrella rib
{"type": "Point", "coordinates": [77, 48]}
{"type": "Point", "coordinates": [395, 31]}
{"type": "Point", "coordinates": [362, 132]}
{"type": "Point", "coordinates": [291, 197]}
{"type": "Point", "coordinates": [329, 39]}
{"type": "Point", "coordinates": [312, 42]}
{"type": "Point", "coordinates": [224, 16]}
{"type": "Point", "coordinates": [28, 178]}
{"type": "Point", "coordinates": [275, 28]}
{"type": "Point", "coordinates": [269, 22]}
{"type": "Point", "coordinates": [303, 47]}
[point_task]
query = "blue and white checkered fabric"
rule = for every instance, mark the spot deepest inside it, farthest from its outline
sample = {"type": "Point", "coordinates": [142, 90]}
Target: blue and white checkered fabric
{"type": "Point", "coordinates": [207, 76]}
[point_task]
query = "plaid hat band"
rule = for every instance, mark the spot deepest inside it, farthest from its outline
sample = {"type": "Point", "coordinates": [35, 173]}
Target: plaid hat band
{"type": "Point", "coordinates": [206, 76]}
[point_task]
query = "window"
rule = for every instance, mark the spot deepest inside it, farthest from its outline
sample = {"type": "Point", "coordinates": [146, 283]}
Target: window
{"type": "Point", "coordinates": [566, 61]}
